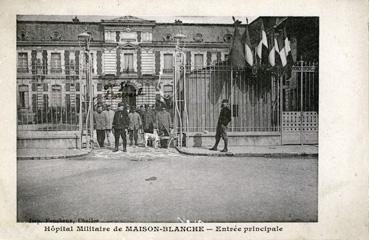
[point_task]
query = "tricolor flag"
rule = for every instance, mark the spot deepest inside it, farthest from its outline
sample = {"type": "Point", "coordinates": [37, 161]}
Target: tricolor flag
{"type": "Point", "coordinates": [272, 52]}
{"type": "Point", "coordinates": [262, 48]}
{"type": "Point", "coordinates": [249, 56]}
{"type": "Point", "coordinates": [237, 55]}
{"type": "Point", "coordinates": [287, 48]}
{"type": "Point", "coordinates": [281, 51]}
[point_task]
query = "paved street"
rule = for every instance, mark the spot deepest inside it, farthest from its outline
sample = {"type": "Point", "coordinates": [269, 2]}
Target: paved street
{"type": "Point", "coordinates": [148, 185]}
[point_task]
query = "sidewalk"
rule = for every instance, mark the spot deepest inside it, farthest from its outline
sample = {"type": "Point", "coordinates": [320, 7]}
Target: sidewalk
{"type": "Point", "coordinates": [41, 154]}
{"type": "Point", "coordinates": [255, 151]}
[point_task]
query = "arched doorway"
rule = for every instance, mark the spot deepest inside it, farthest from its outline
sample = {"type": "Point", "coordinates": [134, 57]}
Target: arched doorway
{"type": "Point", "coordinates": [129, 95]}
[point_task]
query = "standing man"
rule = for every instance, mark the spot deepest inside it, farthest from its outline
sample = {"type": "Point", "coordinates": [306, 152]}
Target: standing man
{"type": "Point", "coordinates": [100, 121]}
{"type": "Point", "coordinates": [223, 120]}
{"type": "Point", "coordinates": [110, 117]}
{"type": "Point", "coordinates": [149, 120]}
{"type": "Point", "coordinates": [135, 124]}
{"type": "Point", "coordinates": [163, 121]}
{"type": "Point", "coordinates": [120, 125]}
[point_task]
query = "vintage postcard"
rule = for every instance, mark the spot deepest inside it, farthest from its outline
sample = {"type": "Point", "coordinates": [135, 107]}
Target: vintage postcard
{"type": "Point", "coordinates": [186, 123]}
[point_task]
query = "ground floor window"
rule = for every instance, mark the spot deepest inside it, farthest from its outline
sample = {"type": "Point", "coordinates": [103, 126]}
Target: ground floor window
{"type": "Point", "coordinates": [56, 96]}
{"type": "Point", "coordinates": [23, 96]}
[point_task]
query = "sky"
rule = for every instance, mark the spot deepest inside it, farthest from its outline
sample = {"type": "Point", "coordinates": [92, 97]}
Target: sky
{"type": "Point", "coordinates": [159, 19]}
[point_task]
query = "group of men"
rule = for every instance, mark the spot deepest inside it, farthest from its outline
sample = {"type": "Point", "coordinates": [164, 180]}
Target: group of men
{"type": "Point", "coordinates": [131, 120]}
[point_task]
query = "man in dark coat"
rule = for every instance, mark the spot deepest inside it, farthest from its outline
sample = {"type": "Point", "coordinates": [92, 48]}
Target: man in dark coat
{"type": "Point", "coordinates": [223, 120]}
{"type": "Point", "coordinates": [120, 125]}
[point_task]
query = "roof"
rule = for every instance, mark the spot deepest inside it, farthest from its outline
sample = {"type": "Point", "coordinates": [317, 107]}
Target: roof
{"type": "Point", "coordinates": [158, 19]}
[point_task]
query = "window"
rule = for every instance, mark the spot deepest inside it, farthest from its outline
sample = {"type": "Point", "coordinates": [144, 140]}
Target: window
{"type": "Point", "coordinates": [110, 36]}
{"type": "Point", "coordinates": [67, 87]}
{"type": "Point", "coordinates": [168, 63]}
{"type": "Point", "coordinates": [56, 97]}
{"type": "Point", "coordinates": [22, 62]}
{"type": "Point", "coordinates": [128, 63]}
{"type": "Point", "coordinates": [226, 57]}
{"type": "Point", "coordinates": [77, 87]}
{"type": "Point", "coordinates": [146, 37]}
{"type": "Point", "coordinates": [128, 36]}
{"type": "Point", "coordinates": [199, 60]}
{"type": "Point", "coordinates": [56, 63]}
{"type": "Point", "coordinates": [46, 87]}
{"type": "Point", "coordinates": [99, 87]}
{"type": "Point", "coordinates": [213, 57]}
{"type": "Point", "coordinates": [23, 96]}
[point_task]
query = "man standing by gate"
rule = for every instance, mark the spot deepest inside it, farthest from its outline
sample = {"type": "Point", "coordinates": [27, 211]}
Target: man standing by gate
{"type": "Point", "coordinates": [223, 120]}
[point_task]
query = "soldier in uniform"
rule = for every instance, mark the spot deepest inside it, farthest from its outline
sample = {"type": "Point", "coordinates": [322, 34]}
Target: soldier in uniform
{"type": "Point", "coordinates": [223, 120]}
{"type": "Point", "coordinates": [120, 125]}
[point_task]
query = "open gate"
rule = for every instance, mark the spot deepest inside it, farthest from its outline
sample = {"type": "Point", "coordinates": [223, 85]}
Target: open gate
{"type": "Point", "coordinates": [300, 97]}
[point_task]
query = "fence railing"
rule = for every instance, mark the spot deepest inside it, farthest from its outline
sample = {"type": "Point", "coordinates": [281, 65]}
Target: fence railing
{"type": "Point", "coordinates": [50, 98]}
{"type": "Point", "coordinates": [253, 97]}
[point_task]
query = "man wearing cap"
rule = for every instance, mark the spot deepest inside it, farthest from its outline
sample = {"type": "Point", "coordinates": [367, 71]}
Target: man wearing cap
{"type": "Point", "coordinates": [120, 125]}
{"type": "Point", "coordinates": [100, 122]}
{"type": "Point", "coordinates": [110, 117]}
{"type": "Point", "coordinates": [223, 120]}
{"type": "Point", "coordinates": [135, 124]}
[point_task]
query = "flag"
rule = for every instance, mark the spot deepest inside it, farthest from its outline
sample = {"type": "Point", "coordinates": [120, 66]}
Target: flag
{"type": "Point", "coordinates": [281, 50]}
{"type": "Point", "coordinates": [287, 48]}
{"type": "Point", "coordinates": [288, 54]}
{"type": "Point", "coordinates": [262, 48]}
{"type": "Point", "coordinates": [249, 56]}
{"type": "Point", "coordinates": [271, 56]}
{"type": "Point", "coordinates": [237, 53]}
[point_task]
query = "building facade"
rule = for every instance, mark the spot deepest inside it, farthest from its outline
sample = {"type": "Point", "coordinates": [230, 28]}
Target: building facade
{"type": "Point", "coordinates": [127, 50]}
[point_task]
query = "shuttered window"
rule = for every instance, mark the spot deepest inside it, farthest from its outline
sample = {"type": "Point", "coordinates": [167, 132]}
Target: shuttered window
{"type": "Point", "coordinates": [22, 62]}
{"type": "Point", "coordinates": [56, 97]}
{"type": "Point", "coordinates": [199, 60]}
{"type": "Point", "coordinates": [168, 63]}
{"type": "Point", "coordinates": [23, 96]}
{"type": "Point", "coordinates": [56, 63]}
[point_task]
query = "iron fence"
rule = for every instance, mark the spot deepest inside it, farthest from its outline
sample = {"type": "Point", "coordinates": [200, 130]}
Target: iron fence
{"type": "Point", "coordinates": [51, 99]}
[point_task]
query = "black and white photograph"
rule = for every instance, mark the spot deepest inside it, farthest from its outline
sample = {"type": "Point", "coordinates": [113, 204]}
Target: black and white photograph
{"type": "Point", "coordinates": [176, 119]}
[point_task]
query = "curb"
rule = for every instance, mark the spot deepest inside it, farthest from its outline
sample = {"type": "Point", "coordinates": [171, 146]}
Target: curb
{"type": "Point", "coordinates": [54, 157]}
{"type": "Point", "coordinates": [266, 155]}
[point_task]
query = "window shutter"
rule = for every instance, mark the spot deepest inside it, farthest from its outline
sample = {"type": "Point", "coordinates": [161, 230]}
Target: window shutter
{"type": "Point", "coordinates": [66, 62]}
{"type": "Point", "coordinates": [76, 54]}
{"type": "Point", "coordinates": [33, 61]}
{"type": "Point", "coordinates": [188, 61]}
{"type": "Point", "coordinates": [138, 36]}
{"type": "Point", "coordinates": [44, 61]}
{"type": "Point", "coordinates": [117, 37]}
{"type": "Point", "coordinates": [208, 58]}
{"type": "Point", "coordinates": [157, 62]}
{"type": "Point", "coordinates": [219, 57]}
{"type": "Point", "coordinates": [118, 61]}
{"type": "Point", "coordinates": [99, 62]}
{"type": "Point", "coordinates": [34, 102]}
{"type": "Point", "coordinates": [139, 62]}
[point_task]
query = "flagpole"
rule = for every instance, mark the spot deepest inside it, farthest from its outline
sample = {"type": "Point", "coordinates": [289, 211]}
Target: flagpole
{"type": "Point", "coordinates": [231, 97]}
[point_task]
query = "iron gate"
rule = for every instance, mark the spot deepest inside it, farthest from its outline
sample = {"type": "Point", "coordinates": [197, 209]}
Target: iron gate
{"type": "Point", "coordinates": [300, 97]}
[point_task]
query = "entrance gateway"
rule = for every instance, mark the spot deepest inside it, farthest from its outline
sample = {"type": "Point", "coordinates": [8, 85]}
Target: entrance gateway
{"type": "Point", "coordinates": [300, 105]}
